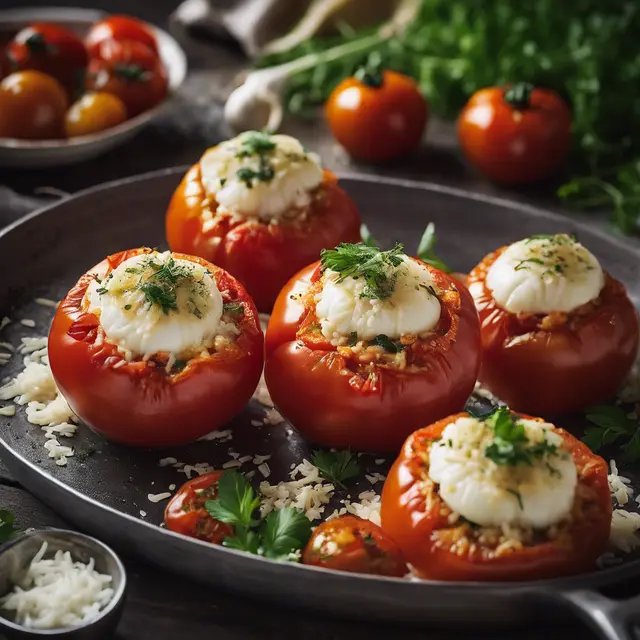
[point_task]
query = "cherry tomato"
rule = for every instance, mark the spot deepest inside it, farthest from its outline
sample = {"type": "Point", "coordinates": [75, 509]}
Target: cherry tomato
{"type": "Point", "coordinates": [94, 112]}
{"type": "Point", "coordinates": [5, 66]}
{"type": "Point", "coordinates": [340, 398]}
{"type": "Point", "coordinates": [517, 134]}
{"type": "Point", "coordinates": [262, 256]}
{"type": "Point", "coordinates": [140, 85]}
{"type": "Point", "coordinates": [127, 52]}
{"type": "Point", "coordinates": [139, 403]}
{"type": "Point", "coordinates": [53, 50]}
{"type": "Point", "coordinates": [32, 106]}
{"type": "Point", "coordinates": [186, 513]}
{"type": "Point", "coordinates": [440, 548]}
{"type": "Point", "coordinates": [377, 118]}
{"type": "Point", "coordinates": [349, 543]}
{"type": "Point", "coordinates": [119, 28]}
{"type": "Point", "coordinates": [556, 363]}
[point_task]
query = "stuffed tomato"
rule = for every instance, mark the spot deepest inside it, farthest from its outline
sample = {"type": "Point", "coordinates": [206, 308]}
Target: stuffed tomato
{"type": "Point", "coordinates": [261, 207]}
{"type": "Point", "coordinates": [499, 498]}
{"type": "Point", "coordinates": [156, 349]}
{"type": "Point", "coordinates": [558, 333]}
{"type": "Point", "coordinates": [365, 346]}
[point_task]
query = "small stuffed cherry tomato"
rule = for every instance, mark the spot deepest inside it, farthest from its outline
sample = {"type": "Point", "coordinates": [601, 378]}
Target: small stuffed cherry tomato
{"type": "Point", "coordinates": [53, 50]}
{"type": "Point", "coordinates": [186, 514]}
{"type": "Point", "coordinates": [156, 349]}
{"type": "Point", "coordinates": [377, 115]}
{"type": "Point", "coordinates": [558, 333]}
{"type": "Point", "coordinates": [517, 134]}
{"type": "Point", "coordinates": [536, 499]}
{"type": "Point", "coordinates": [232, 209]}
{"type": "Point", "coordinates": [119, 28]}
{"type": "Point", "coordinates": [336, 370]}
{"type": "Point", "coordinates": [32, 106]}
{"type": "Point", "coordinates": [94, 112]}
{"type": "Point", "coordinates": [349, 543]}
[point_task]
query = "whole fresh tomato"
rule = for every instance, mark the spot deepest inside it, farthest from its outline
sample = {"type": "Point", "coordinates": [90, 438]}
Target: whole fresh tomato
{"type": "Point", "coordinates": [53, 50]}
{"type": "Point", "coordinates": [440, 546]}
{"type": "Point", "coordinates": [94, 112]}
{"type": "Point", "coordinates": [186, 513]}
{"type": "Point", "coordinates": [377, 115]}
{"type": "Point", "coordinates": [556, 363]}
{"type": "Point", "coordinates": [127, 53]}
{"type": "Point", "coordinates": [263, 256]}
{"type": "Point", "coordinates": [352, 544]}
{"type": "Point", "coordinates": [119, 28]}
{"type": "Point", "coordinates": [515, 135]}
{"type": "Point", "coordinates": [32, 106]}
{"type": "Point", "coordinates": [140, 403]}
{"type": "Point", "coordinates": [338, 398]}
{"type": "Point", "coordinates": [139, 85]}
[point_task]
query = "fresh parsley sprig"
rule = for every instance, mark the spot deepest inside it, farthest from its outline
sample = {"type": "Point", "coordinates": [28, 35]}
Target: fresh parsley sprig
{"type": "Point", "coordinates": [336, 467]}
{"type": "Point", "coordinates": [8, 530]}
{"type": "Point", "coordinates": [612, 424]}
{"type": "Point", "coordinates": [236, 502]}
{"type": "Point", "coordinates": [384, 341]}
{"type": "Point", "coordinates": [426, 249]}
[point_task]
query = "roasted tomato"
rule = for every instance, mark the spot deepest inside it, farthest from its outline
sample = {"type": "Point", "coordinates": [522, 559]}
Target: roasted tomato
{"type": "Point", "coordinates": [441, 545]}
{"type": "Point", "coordinates": [517, 134]}
{"type": "Point", "coordinates": [262, 255]}
{"type": "Point", "coordinates": [557, 362]}
{"type": "Point", "coordinates": [53, 50]}
{"type": "Point", "coordinates": [94, 112]}
{"type": "Point", "coordinates": [352, 544]}
{"type": "Point", "coordinates": [365, 397]}
{"type": "Point", "coordinates": [186, 514]}
{"type": "Point", "coordinates": [155, 399]}
{"type": "Point", "coordinates": [32, 106]}
{"type": "Point", "coordinates": [119, 28]}
{"type": "Point", "coordinates": [377, 115]}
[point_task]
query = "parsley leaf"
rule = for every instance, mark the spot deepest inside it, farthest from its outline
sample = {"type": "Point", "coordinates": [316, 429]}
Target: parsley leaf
{"type": "Point", "coordinates": [7, 529]}
{"type": "Point", "coordinates": [255, 143]}
{"type": "Point", "coordinates": [243, 539]}
{"type": "Point", "coordinates": [386, 343]}
{"type": "Point", "coordinates": [236, 501]}
{"type": "Point", "coordinates": [613, 425]}
{"type": "Point", "coordinates": [336, 466]}
{"type": "Point", "coordinates": [283, 532]}
{"type": "Point", "coordinates": [426, 247]}
{"type": "Point", "coordinates": [233, 309]}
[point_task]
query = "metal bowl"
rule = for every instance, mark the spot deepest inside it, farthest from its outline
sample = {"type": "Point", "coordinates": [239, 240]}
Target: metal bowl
{"type": "Point", "coordinates": [16, 556]}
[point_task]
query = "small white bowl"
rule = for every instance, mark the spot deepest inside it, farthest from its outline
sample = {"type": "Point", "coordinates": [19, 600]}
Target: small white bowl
{"type": "Point", "coordinates": [50, 153]}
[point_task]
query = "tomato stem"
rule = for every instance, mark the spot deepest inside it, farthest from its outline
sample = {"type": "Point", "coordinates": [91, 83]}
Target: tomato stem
{"type": "Point", "coordinates": [370, 73]}
{"type": "Point", "coordinates": [518, 95]}
{"type": "Point", "coordinates": [37, 44]}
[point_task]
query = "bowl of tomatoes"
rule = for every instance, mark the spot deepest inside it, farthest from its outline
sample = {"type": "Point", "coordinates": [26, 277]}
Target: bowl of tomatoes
{"type": "Point", "coordinates": [75, 83]}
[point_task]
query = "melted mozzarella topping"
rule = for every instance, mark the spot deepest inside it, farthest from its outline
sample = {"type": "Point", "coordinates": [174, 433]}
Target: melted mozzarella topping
{"type": "Point", "coordinates": [132, 321]}
{"type": "Point", "coordinates": [283, 177]}
{"type": "Point", "coordinates": [544, 274]}
{"type": "Point", "coordinates": [490, 494]}
{"type": "Point", "coordinates": [412, 309]}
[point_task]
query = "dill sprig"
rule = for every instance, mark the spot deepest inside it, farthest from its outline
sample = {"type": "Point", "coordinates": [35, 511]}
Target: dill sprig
{"type": "Point", "coordinates": [379, 269]}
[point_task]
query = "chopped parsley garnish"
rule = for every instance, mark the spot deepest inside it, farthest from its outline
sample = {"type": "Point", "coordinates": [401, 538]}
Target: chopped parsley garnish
{"type": "Point", "coordinates": [233, 309]}
{"type": "Point", "coordinates": [386, 343]}
{"type": "Point", "coordinates": [127, 307]}
{"type": "Point", "coordinates": [518, 496]}
{"type": "Point", "coordinates": [426, 249]}
{"type": "Point", "coordinates": [352, 341]}
{"type": "Point", "coordinates": [612, 424]}
{"type": "Point", "coordinates": [337, 467]}
{"type": "Point", "coordinates": [256, 143]}
{"type": "Point", "coordinates": [523, 263]}
{"type": "Point", "coordinates": [7, 529]}
{"type": "Point", "coordinates": [379, 269]}
{"type": "Point", "coordinates": [264, 173]}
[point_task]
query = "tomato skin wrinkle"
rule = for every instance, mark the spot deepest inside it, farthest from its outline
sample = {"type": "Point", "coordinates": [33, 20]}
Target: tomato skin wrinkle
{"type": "Point", "coordinates": [411, 514]}
{"type": "Point", "coordinates": [262, 256]}
{"type": "Point", "coordinates": [566, 368]}
{"type": "Point", "coordinates": [373, 411]}
{"type": "Point", "coordinates": [138, 403]}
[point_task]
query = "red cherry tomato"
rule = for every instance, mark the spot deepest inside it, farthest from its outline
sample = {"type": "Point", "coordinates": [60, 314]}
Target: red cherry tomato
{"type": "Point", "coordinates": [262, 256]}
{"type": "Point", "coordinates": [377, 122]}
{"type": "Point", "coordinates": [352, 544]}
{"type": "Point", "coordinates": [517, 134]}
{"type": "Point", "coordinates": [53, 50]}
{"type": "Point", "coordinates": [119, 28]}
{"type": "Point", "coordinates": [127, 52]}
{"type": "Point", "coordinates": [139, 403]}
{"type": "Point", "coordinates": [340, 398]}
{"type": "Point", "coordinates": [186, 513]}
{"type": "Point", "coordinates": [441, 548]}
{"type": "Point", "coordinates": [556, 363]}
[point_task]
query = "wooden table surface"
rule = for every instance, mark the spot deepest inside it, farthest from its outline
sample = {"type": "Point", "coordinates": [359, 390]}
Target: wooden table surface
{"type": "Point", "coordinates": [162, 606]}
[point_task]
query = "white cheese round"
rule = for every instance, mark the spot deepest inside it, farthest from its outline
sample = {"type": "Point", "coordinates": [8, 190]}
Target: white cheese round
{"type": "Point", "coordinates": [542, 274]}
{"type": "Point", "coordinates": [143, 328]}
{"type": "Point", "coordinates": [491, 494]}
{"type": "Point", "coordinates": [289, 174]}
{"type": "Point", "coordinates": [412, 309]}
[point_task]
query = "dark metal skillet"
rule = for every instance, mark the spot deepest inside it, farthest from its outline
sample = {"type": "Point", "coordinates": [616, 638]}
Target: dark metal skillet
{"type": "Point", "coordinates": [103, 489]}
